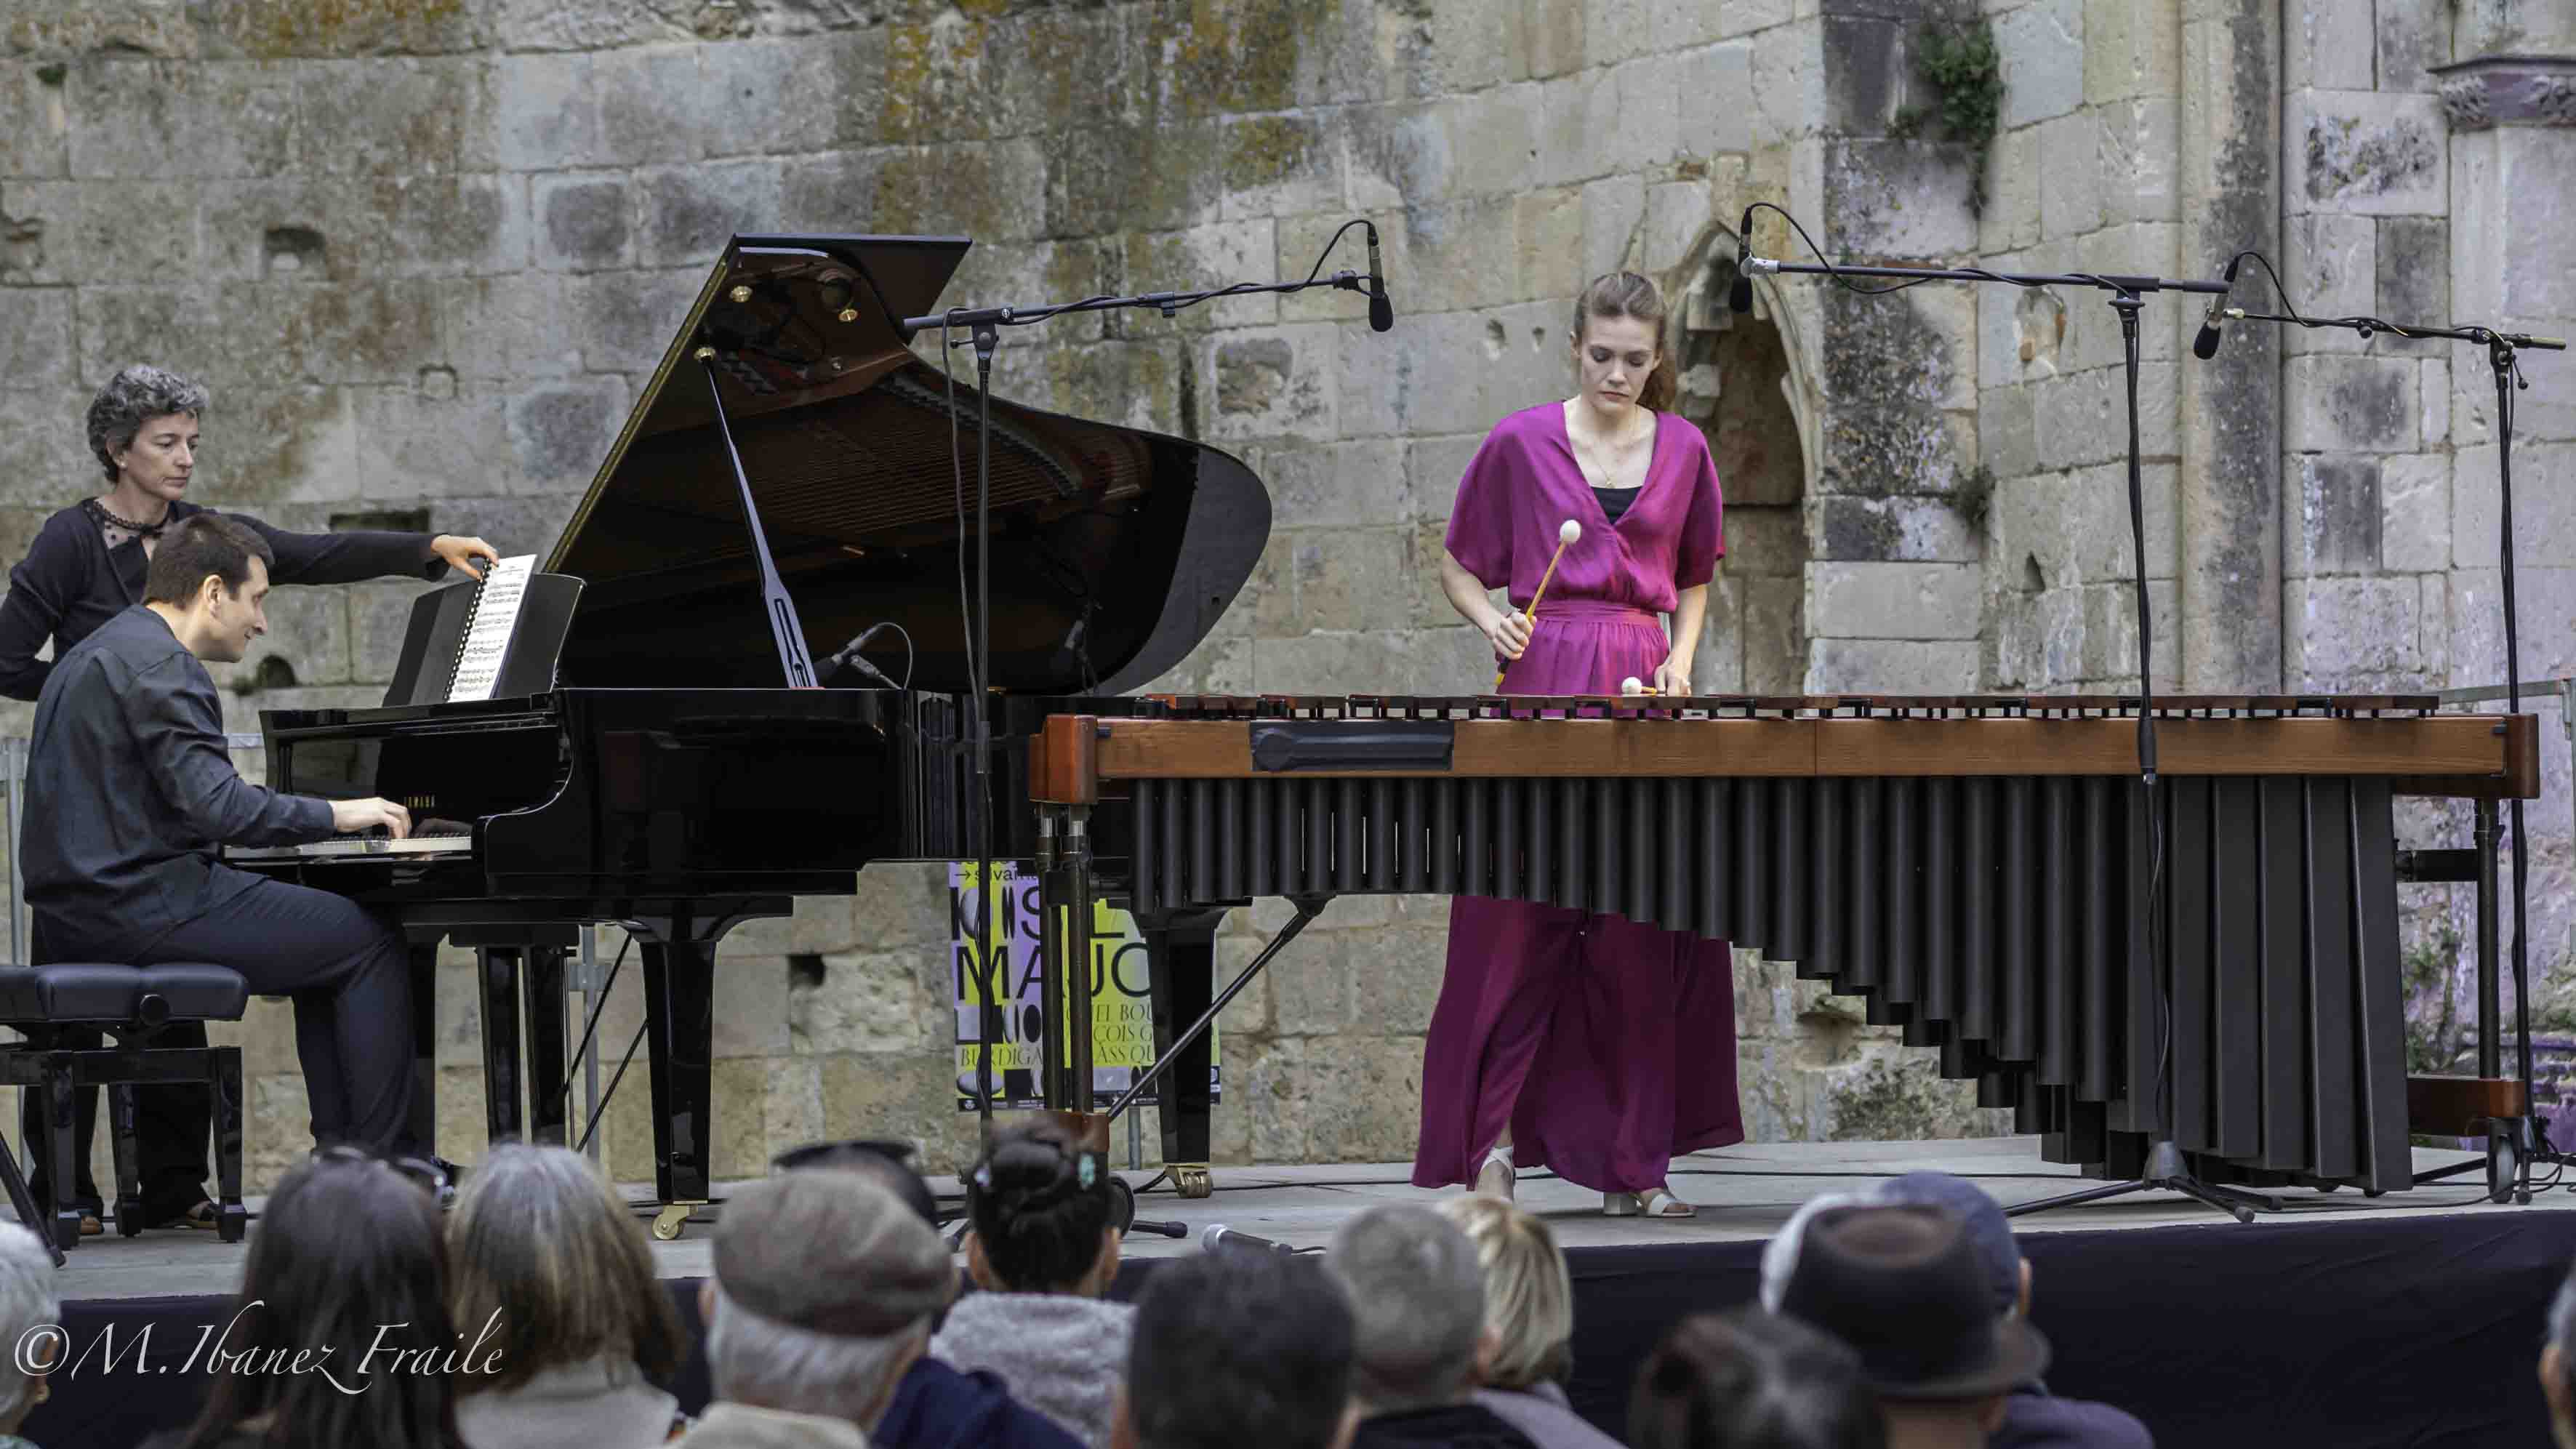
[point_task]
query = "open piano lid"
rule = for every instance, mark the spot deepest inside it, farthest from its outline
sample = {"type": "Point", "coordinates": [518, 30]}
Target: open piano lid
{"type": "Point", "coordinates": [1114, 550]}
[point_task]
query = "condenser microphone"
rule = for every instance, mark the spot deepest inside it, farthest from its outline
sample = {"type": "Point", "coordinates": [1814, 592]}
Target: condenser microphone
{"type": "Point", "coordinates": [2205, 346]}
{"type": "Point", "coordinates": [1218, 1235]}
{"type": "Point", "coordinates": [848, 658]}
{"type": "Point", "coordinates": [1739, 298]}
{"type": "Point", "coordinates": [1381, 311]}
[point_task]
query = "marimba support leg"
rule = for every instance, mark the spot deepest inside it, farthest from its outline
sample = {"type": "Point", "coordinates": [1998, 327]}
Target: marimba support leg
{"type": "Point", "coordinates": [2165, 1172]}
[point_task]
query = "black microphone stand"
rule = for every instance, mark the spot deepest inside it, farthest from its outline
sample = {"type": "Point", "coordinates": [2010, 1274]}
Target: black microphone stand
{"type": "Point", "coordinates": [983, 325]}
{"type": "Point", "coordinates": [2528, 1132]}
{"type": "Point", "coordinates": [2165, 1167]}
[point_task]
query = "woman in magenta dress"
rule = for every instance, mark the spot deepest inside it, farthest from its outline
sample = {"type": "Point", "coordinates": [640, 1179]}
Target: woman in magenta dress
{"type": "Point", "coordinates": [1582, 1042]}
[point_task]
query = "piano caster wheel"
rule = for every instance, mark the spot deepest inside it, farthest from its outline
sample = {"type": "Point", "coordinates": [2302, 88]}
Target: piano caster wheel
{"type": "Point", "coordinates": [1193, 1181]}
{"type": "Point", "coordinates": [232, 1223]}
{"type": "Point", "coordinates": [129, 1217]}
{"type": "Point", "coordinates": [668, 1222]}
{"type": "Point", "coordinates": [1122, 1204]}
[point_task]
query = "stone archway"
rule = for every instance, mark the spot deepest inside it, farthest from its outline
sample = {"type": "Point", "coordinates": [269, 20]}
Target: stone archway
{"type": "Point", "coordinates": [1741, 382]}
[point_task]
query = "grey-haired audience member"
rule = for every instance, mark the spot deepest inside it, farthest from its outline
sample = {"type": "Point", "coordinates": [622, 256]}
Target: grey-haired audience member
{"type": "Point", "coordinates": [2558, 1365]}
{"type": "Point", "coordinates": [550, 1269]}
{"type": "Point", "coordinates": [1752, 1380]}
{"type": "Point", "coordinates": [821, 1300]}
{"type": "Point", "coordinates": [2033, 1417]}
{"type": "Point", "coordinates": [1420, 1343]}
{"type": "Point", "coordinates": [28, 1300]}
{"type": "Point", "coordinates": [1529, 1307]}
{"type": "Point", "coordinates": [1901, 1286]}
{"type": "Point", "coordinates": [1044, 1249]}
{"type": "Point", "coordinates": [1238, 1349]}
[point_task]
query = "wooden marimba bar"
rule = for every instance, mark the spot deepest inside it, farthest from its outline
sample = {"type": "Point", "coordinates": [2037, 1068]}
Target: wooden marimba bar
{"type": "Point", "coordinates": [1978, 870]}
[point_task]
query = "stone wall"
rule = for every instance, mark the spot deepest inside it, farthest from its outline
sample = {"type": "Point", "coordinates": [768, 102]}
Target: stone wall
{"type": "Point", "coordinates": [426, 251]}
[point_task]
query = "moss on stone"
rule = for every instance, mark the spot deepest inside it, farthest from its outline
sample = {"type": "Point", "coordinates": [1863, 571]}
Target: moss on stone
{"type": "Point", "coordinates": [1266, 150]}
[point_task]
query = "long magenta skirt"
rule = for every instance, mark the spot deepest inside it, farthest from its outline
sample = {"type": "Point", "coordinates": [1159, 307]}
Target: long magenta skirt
{"type": "Point", "coordinates": [1609, 1047]}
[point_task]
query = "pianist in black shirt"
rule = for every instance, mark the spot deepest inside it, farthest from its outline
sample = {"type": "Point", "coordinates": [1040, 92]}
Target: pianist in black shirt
{"type": "Point", "coordinates": [131, 793]}
{"type": "Point", "coordinates": [85, 567]}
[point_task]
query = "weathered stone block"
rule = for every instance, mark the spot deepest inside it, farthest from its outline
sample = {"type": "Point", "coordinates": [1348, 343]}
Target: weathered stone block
{"type": "Point", "coordinates": [385, 116]}
{"type": "Point", "coordinates": [2543, 517]}
{"type": "Point", "coordinates": [559, 433]}
{"type": "Point", "coordinates": [2413, 36]}
{"type": "Point", "coordinates": [50, 234]}
{"type": "Point", "coordinates": [688, 213]}
{"type": "Point", "coordinates": [2414, 280]}
{"type": "Point", "coordinates": [2344, 634]}
{"type": "Point", "coordinates": [2330, 262]}
{"type": "Point", "coordinates": [308, 639]}
{"type": "Point", "coordinates": [1898, 199]}
{"type": "Point", "coordinates": [2325, 46]}
{"type": "Point", "coordinates": [2129, 50]}
{"type": "Point", "coordinates": [379, 614]}
{"type": "Point", "coordinates": [2436, 394]}
{"type": "Point", "coordinates": [1375, 662]}
{"type": "Point", "coordinates": [2415, 512]}
{"type": "Point", "coordinates": [1866, 70]}
{"type": "Point", "coordinates": [534, 113]}
{"type": "Point", "coordinates": [628, 318]}
{"type": "Point", "coordinates": [2013, 180]}
{"type": "Point", "coordinates": [2007, 435]}
{"type": "Point", "coordinates": [154, 119]}
{"type": "Point", "coordinates": [2041, 49]}
{"type": "Point", "coordinates": [1269, 382]}
{"type": "Point", "coordinates": [2364, 153]}
{"type": "Point", "coordinates": [1343, 486]}
{"type": "Point", "coordinates": [1351, 579]}
{"type": "Point", "coordinates": [1612, 209]}
{"type": "Point", "coordinates": [2338, 503]}
{"type": "Point", "coordinates": [1904, 530]}
{"type": "Point", "coordinates": [584, 222]}
{"type": "Point", "coordinates": [34, 122]}
{"type": "Point", "coordinates": [36, 337]}
{"type": "Point", "coordinates": [1716, 82]}
{"type": "Point", "coordinates": [2072, 179]}
{"type": "Point", "coordinates": [1105, 178]}
{"type": "Point", "coordinates": [1892, 666]}
{"type": "Point", "coordinates": [2139, 166]}
{"type": "Point", "coordinates": [1676, 215]}
{"type": "Point", "coordinates": [869, 1003]}
{"type": "Point", "coordinates": [2351, 404]}
{"type": "Point", "coordinates": [529, 324]}
{"type": "Point", "coordinates": [760, 97]}
{"type": "Point", "coordinates": [1789, 71]}
{"type": "Point", "coordinates": [1893, 600]}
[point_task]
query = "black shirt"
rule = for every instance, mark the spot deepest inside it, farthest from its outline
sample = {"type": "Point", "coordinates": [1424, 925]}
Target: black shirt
{"type": "Point", "coordinates": [71, 581]}
{"type": "Point", "coordinates": [130, 790]}
{"type": "Point", "coordinates": [1615, 501]}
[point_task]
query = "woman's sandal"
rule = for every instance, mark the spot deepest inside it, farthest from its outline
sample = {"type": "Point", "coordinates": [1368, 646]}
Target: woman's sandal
{"type": "Point", "coordinates": [91, 1227]}
{"type": "Point", "coordinates": [202, 1216]}
{"type": "Point", "coordinates": [1654, 1203]}
{"type": "Point", "coordinates": [1500, 1156]}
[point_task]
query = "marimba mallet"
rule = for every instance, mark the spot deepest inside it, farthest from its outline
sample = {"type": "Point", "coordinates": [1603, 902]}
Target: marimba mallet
{"type": "Point", "coordinates": [1566, 533]}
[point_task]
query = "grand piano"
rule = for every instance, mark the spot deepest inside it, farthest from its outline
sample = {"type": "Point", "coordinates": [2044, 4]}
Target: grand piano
{"type": "Point", "coordinates": [784, 482]}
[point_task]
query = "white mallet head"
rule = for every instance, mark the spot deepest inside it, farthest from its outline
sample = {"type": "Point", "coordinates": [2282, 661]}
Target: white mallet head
{"type": "Point", "coordinates": [1568, 531]}
{"type": "Point", "coordinates": [1632, 685]}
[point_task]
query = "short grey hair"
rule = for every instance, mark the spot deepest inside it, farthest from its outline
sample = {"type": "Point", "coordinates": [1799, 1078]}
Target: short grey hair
{"type": "Point", "coordinates": [757, 1360]}
{"type": "Point", "coordinates": [27, 1299]}
{"type": "Point", "coordinates": [1417, 1306]}
{"type": "Point", "coordinates": [133, 397]}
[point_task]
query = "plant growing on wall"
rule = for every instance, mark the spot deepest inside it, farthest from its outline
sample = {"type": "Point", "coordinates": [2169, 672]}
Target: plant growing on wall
{"type": "Point", "coordinates": [1958, 59]}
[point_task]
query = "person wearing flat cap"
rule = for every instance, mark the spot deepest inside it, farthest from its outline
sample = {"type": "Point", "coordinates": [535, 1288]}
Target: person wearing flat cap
{"type": "Point", "coordinates": [825, 1284]}
{"type": "Point", "coordinates": [1901, 1285]}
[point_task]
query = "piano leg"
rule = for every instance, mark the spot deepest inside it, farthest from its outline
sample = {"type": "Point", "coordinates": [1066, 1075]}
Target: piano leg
{"type": "Point", "coordinates": [1180, 954]}
{"type": "Point", "coordinates": [424, 1042]}
{"type": "Point", "coordinates": [679, 1031]}
{"type": "Point", "coordinates": [496, 968]}
{"type": "Point", "coordinates": [543, 981]}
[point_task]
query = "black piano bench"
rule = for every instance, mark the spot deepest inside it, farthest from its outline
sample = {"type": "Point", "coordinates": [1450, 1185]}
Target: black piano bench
{"type": "Point", "coordinates": [131, 1004]}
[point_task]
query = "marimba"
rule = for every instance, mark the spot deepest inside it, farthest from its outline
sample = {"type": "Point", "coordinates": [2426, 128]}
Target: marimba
{"type": "Point", "coordinates": [1978, 871]}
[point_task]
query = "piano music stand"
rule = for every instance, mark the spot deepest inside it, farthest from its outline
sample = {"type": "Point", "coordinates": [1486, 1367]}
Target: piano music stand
{"type": "Point", "coordinates": [983, 326]}
{"type": "Point", "coordinates": [2166, 1167]}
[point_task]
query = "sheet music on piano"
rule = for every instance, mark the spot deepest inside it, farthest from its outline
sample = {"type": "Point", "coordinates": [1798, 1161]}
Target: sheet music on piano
{"type": "Point", "coordinates": [489, 628]}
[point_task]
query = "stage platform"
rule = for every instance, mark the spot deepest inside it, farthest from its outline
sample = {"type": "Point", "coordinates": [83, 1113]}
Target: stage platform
{"type": "Point", "coordinates": [2409, 1319]}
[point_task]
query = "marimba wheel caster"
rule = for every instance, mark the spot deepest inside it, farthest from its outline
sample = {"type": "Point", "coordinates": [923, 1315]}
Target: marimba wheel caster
{"type": "Point", "coordinates": [1192, 1182]}
{"type": "Point", "coordinates": [2504, 1164]}
{"type": "Point", "coordinates": [668, 1222]}
{"type": "Point", "coordinates": [2374, 1192]}
{"type": "Point", "coordinates": [2244, 1214]}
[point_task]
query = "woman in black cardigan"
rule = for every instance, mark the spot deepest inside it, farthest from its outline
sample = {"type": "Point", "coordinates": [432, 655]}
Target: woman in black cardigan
{"type": "Point", "coordinates": [85, 567]}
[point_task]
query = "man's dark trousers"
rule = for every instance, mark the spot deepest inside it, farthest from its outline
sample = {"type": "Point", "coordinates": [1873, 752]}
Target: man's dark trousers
{"type": "Point", "coordinates": [348, 974]}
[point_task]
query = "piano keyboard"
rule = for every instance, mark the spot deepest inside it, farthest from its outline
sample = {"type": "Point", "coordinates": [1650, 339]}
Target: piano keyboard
{"type": "Point", "coordinates": [354, 848]}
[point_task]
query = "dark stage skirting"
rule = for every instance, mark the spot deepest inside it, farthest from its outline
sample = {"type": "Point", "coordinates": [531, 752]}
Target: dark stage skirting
{"type": "Point", "coordinates": [2395, 1330]}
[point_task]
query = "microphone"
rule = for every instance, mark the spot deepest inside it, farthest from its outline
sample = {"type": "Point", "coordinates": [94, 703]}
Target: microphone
{"type": "Point", "coordinates": [1218, 1235]}
{"type": "Point", "coordinates": [1381, 311]}
{"type": "Point", "coordinates": [848, 658]}
{"type": "Point", "coordinates": [1739, 298]}
{"type": "Point", "coordinates": [2205, 346]}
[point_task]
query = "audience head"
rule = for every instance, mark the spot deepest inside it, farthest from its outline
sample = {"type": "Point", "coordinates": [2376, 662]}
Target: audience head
{"type": "Point", "coordinates": [1989, 1232]}
{"type": "Point", "coordinates": [1529, 1297]}
{"type": "Point", "coordinates": [824, 1287]}
{"type": "Point", "coordinates": [1417, 1308]}
{"type": "Point", "coordinates": [2558, 1365]}
{"type": "Point", "coordinates": [1043, 1215]}
{"type": "Point", "coordinates": [887, 1163]}
{"type": "Point", "coordinates": [28, 1300]}
{"type": "Point", "coordinates": [1238, 1349]}
{"type": "Point", "coordinates": [551, 1268]}
{"type": "Point", "coordinates": [1901, 1285]}
{"type": "Point", "coordinates": [1751, 1380]}
{"type": "Point", "coordinates": [350, 1257]}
